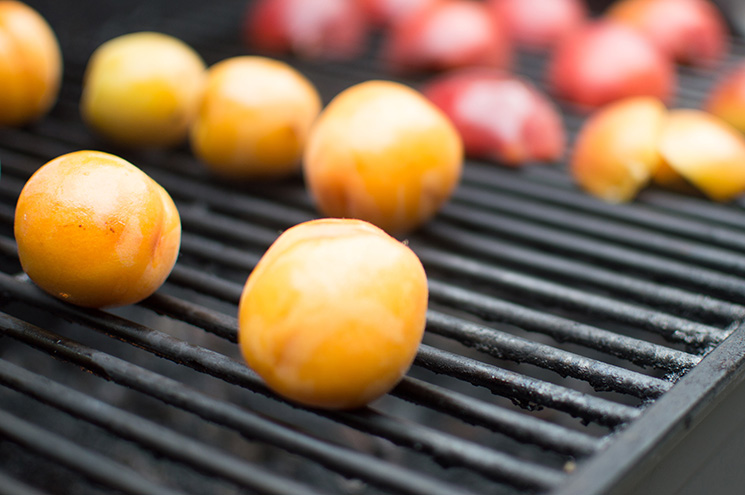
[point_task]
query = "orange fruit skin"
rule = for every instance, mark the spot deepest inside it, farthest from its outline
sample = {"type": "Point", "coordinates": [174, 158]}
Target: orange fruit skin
{"type": "Point", "coordinates": [383, 153]}
{"type": "Point", "coordinates": [255, 118]}
{"type": "Point", "coordinates": [30, 64]}
{"type": "Point", "coordinates": [143, 90]}
{"type": "Point", "coordinates": [616, 151]}
{"type": "Point", "coordinates": [333, 314]}
{"type": "Point", "coordinates": [705, 151]}
{"type": "Point", "coordinates": [94, 230]}
{"type": "Point", "coordinates": [726, 99]}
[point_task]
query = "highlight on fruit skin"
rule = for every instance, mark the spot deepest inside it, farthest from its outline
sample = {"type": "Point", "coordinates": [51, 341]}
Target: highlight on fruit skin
{"type": "Point", "coordinates": [501, 117]}
{"type": "Point", "coordinates": [381, 152]}
{"type": "Point", "coordinates": [705, 151]}
{"type": "Point", "coordinates": [333, 314]}
{"type": "Point", "coordinates": [254, 119]}
{"type": "Point", "coordinates": [94, 230]}
{"type": "Point", "coordinates": [692, 32]}
{"type": "Point", "coordinates": [142, 90]}
{"type": "Point", "coordinates": [616, 151]}
{"type": "Point", "coordinates": [30, 64]}
{"type": "Point", "coordinates": [446, 35]}
{"type": "Point", "coordinates": [311, 29]}
{"type": "Point", "coordinates": [605, 61]}
{"type": "Point", "coordinates": [539, 25]}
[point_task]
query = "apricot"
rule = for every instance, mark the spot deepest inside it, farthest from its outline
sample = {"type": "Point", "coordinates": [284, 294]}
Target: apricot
{"type": "Point", "coordinates": [142, 90]}
{"type": "Point", "coordinates": [726, 99]}
{"type": "Point", "coordinates": [447, 35]}
{"type": "Point", "coordinates": [616, 151]}
{"type": "Point", "coordinates": [691, 32]}
{"type": "Point", "coordinates": [333, 314]}
{"type": "Point", "coordinates": [381, 152]}
{"type": "Point", "coordinates": [705, 151]}
{"type": "Point", "coordinates": [499, 116]}
{"type": "Point", "coordinates": [538, 25]}
{"type": "Point", "coordinates": [605, 61]}
{"type": "Point", "coordinates": [30, 64]}
{"type": "Point", "coordinates": [94, 230]}
{"type": "Point", "coordinates": [312, 29]}
{"type": "Point", "coordinates": [255, 118]}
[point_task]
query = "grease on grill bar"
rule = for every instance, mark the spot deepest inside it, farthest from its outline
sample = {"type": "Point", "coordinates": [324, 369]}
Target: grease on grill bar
{"type": "Point", "coordinates": [556, 322]}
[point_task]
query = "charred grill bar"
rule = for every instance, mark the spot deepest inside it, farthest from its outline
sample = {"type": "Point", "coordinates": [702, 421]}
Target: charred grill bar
{"type": "Point", "coordinates": [572, 346]}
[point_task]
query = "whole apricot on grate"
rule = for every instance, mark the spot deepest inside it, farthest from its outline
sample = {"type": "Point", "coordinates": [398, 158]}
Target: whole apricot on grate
{"type": "Point", "coordinates": [254, 119]}
{"type": "Point", "coordinates": [30, 64]}
{"type": "Point", "coordinates": [333, 314]}
{"type": "Point", "coordinates": [142, 90]}
{"type": "Point", "coordinates": [94, 230]}
{"type": "Point", "coordinates": [382, 152]}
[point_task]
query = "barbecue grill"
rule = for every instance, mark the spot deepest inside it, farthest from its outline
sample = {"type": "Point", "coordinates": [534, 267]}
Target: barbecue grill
{"type": "Point", "coordinates": [572, 346]}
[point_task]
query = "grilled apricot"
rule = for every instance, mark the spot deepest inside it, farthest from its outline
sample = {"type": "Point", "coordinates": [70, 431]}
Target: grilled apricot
{"type": "Point", "coordinates": [94, 230]}
{"type": "Point", "coordinates": [383, 153]}
{"type": "Point", "coordinates": [142, 90]}
{"type": "Point", "coordinates": [705, 151]}
{"type": "Point", "coordinates": [255, 118]}
{"type": "Point", "coordinates": [333, 314]}
{"type": "Point", "coordinates": [30, 64]}
{"type": "Point", "coordinates": [616, 151]}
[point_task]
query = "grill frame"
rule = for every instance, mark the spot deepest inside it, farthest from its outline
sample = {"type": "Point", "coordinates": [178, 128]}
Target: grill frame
{"type": "Point", "coordinates": [613, 463]}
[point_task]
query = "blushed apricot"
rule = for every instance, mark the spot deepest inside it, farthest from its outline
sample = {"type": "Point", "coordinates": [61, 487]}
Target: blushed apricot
{"type": "Point", "coordinates": [30, 64]}
{"type": "Point", "coordinates": [255, 118]}
{"type": "Point", "coordinates": [94, 230]}
{"type": "Point", "coordinates": [381, 152]}
{"type": "Point", "coordinates": [616, 151]}
{"type": "Point", "coordinates": [142, 90]}
{"type": "Point", "coordinates": [726, 99]}
{"type": "Point", "coordinates": [333, 314]}
{"type": "Point", "coordinates": [705, 151]}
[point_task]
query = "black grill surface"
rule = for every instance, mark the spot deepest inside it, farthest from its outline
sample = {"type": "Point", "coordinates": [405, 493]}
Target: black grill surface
{"type": "Point", "coordinates": [560, 327]}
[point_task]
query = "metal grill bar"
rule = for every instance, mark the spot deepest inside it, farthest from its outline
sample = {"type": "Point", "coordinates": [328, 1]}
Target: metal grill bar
{"type": "Point", "coordinates": [637, 351]}
{"type": "Point", "coordinates": [500, 381]}
{"type": "Point", "coordinates": [67, 453]}
{"type": "Point", "coordinates": [637, 213]}
{"type": "Point", "coordinates": [519, 426]}
{"type": "Point", "coordinates": [683, 302]}
{"type": "Point", "coordinates": [525, 390]}
{"type": "Point", "coordinates": [669, 326]}
{"type": "Point", "coordinates": [11, 486]}
{"type": "Point", "coordinates": [445, 448]}
{"type": "Point", "coordinates": [619, 233]}
{"type": "Point", "coordinates": [600, 375]}
{"type": "Point", "coordinates": [558, 240]}
{"type": "Point", "coordinates": [149, 434]}
{"type": "Point", "coordinates": [340, 459]}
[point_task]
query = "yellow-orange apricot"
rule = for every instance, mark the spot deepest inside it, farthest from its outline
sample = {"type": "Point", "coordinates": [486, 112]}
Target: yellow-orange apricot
{"type": "Point", "coordinates": [143, 89]}
{"type": "Point", "coordinates": [616, 151]}
{"type": "Point", "coordinates": [30, 64]}
{"type": "Point", "coordinates": [382, 152]}
{"type": "Point", "coordinates": [333, 314]}
{"type": "Point", "coordinates": [705, 151]}
{"type": "Point", "coordinates": [94, 230]}
{"type": "Point", "coordinates": [255, 118]}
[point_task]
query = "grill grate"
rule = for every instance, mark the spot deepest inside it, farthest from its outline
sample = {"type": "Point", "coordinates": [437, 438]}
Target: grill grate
{"type": "Point", "coordinates": [559, 328]}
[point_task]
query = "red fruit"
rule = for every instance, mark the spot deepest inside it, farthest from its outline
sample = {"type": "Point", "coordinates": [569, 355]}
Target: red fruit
{"type": "Point", "coordinates": [690, 31]}
{"type": "Point", "coordinates": [389, 12]}
{"type": "Point", "coordinates": [606, 61]}
{"type": "Point", "coordinates": [330, 29]}
{"type": "Point", "coordinates": [539, 24]}
{"type": "Point", "coordinates": [499, 116]}
{"type": "Point", "coordinates": [447, 35]}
